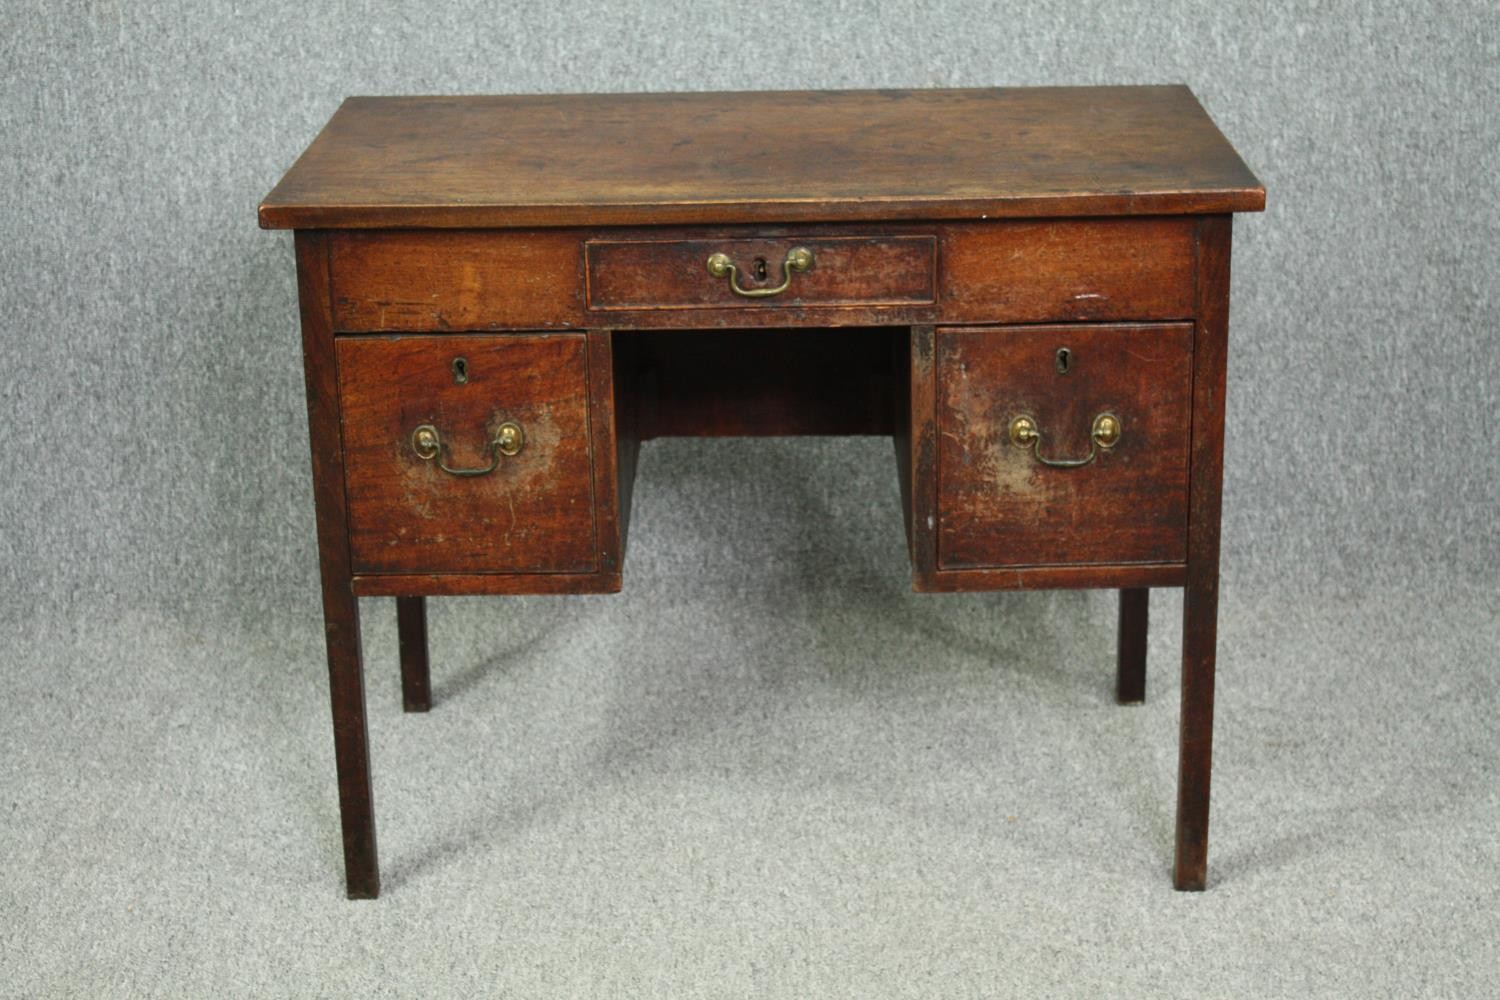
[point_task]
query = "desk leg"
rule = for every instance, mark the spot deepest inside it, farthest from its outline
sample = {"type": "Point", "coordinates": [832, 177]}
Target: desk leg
{"type": "Point", "coordinates": [411, 634]}
{"type": "Point", "coordinates": [351, 742]}
{"type": "Point", "coordinates": [346, 681]}
{"type": "Point", "coordinates": [1200, 606]}
{"type": "Point", "coordinates": [1199, 631]}
{"type": "Point", "coordinates": [1130, 663]}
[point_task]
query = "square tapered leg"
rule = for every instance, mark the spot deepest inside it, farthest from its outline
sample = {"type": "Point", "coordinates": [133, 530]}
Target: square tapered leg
{"type": "Point", "coordinates": [351, 743]}
{"type": "Point", "coordinates": [1200, 602]}
{"type": "Point", "coordinates": [1130, 664]}
{"type": "Point", "coordinates": [346, 680]}
{"type": "Point", "coordinates": [411, 633]}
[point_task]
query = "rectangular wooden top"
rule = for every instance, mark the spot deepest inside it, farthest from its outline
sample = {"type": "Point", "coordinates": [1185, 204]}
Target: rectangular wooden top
{"type": "Point", "coordinates": [845, 156]}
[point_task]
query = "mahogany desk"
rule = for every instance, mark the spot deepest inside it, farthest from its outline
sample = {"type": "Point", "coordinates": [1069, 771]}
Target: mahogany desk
{"type": "Point", "coordinates": [501, 297]}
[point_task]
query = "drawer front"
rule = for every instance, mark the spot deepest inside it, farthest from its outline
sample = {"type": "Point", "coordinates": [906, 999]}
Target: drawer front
{"type": "Point", "coordinates": [900, 274]}
{"type": "Point", "coordinates": [463, 280]}
{"type": "Point", "coordinates": [1069, 271]}
{"type": "Point", "coordinates": [1070, 492]}
{"type": "Point", "coordinates": [479, 398]}
{"type": "Point", "coordinates": [747, 273]}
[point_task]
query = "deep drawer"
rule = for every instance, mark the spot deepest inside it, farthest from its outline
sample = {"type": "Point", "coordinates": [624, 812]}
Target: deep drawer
{"type": "Point", "coordinates": [770, 273]}
{"type": "Point", "coordinates": [1032, 472]}
{"type": "Point", "coordinates": [508, 417]}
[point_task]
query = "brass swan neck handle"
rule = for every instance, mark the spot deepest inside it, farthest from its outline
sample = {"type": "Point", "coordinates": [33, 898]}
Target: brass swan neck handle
{"type": "Point", "coordinates": [1105, 434]}
{"type": "Point", "coordinates": [508, 441]}
{"type": "Point", "coordinates": [797, 259]}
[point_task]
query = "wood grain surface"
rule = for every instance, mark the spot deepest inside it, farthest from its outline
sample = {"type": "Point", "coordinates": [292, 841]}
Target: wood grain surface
{"type": "Point", "coordinates": [557, 245]}
{"type": "Point", "coordinates": [533, 514]}
{"type": "Point", "coordinates": [786, 156]}
{"type": "Point", "coordinates": [998, 506]}
{"type": "Point", "coordinates": [398, 281]}
{"type": "Point", "coordinates": [986, 272]}
{"type": "Point", "coordinates": [1200, 597]}
{"type": "Point", "coordinates": [670, 273]}
{"type": "Point", "coordinates": [346, 672]}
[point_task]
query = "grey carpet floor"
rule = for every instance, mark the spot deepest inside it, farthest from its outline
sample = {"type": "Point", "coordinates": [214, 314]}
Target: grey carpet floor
{"type": "Point", "coordinates": [764, 769]}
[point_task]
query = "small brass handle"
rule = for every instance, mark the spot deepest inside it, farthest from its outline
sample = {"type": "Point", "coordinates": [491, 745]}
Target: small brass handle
{"type": "Point", "coordinates": [797, 259]}
{"type": "Point", "coordinates": [508, 441]}
{"type": "Point", "coordinates": [1024, 433]}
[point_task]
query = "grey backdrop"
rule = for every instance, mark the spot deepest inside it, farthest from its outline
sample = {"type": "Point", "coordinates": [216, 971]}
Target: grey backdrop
{"type": "Point", "coordinates": [154, 423]}
{"type": "Point", "coordinates": [155, 513]}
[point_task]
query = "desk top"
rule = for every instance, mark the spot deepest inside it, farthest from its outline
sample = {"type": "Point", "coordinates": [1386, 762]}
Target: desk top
{"type": "Point", "coordinates": [773, 157]}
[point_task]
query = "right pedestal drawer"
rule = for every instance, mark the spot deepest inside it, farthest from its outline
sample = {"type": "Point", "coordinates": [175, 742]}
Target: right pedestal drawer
{"type": "Point", "coordinates": [1062, 445]}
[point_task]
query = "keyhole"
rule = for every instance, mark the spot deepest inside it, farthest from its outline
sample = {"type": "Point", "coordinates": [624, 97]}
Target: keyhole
{"type": "Point", "coordinates": [1064, 360]}
{"type": "Point", "coordinates": [460, 371]}
{"type": "Point", "coordinates": [760, 268]}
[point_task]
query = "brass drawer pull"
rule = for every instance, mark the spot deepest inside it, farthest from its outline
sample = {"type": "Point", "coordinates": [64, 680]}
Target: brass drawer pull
{"type": "Point", "coordinates": [797, 259]}
{"type": "Point", "coordinates": [508, 441]}
{"type": "Point", "coordinates": [1024, 433]}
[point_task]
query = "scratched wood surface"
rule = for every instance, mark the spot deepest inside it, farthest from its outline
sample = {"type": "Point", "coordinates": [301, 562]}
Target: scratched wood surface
{"type": "Point", "coordinates": [533, 514]}
{"type": "Point", "coordinates": [346, 677]}
{"type": "Point", "coordinates": [998, 506]}
{"type": "Point", "coordinates": [967, 234]}
{"type": "Point", "coordinates": [986, 272]}
{"type": "Point", "coordinates": [670, 273]}
{"type": "Point", "coordinates": [632, 159]}
{"type": "Point", "coordinates": [1200, 597]}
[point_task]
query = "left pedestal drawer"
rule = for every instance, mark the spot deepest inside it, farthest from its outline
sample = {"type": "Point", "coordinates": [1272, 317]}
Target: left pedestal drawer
{"type": "Point", "coordinates": [468, 454]}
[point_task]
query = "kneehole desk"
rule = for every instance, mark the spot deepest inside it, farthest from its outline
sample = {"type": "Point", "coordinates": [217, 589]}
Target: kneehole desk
{"type": "Point", "coordinates": [1027, 290]}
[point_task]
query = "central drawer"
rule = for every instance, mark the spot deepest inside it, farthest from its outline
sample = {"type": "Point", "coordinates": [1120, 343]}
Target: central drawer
{"type": "Point", "coordinates": [761, 273]}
